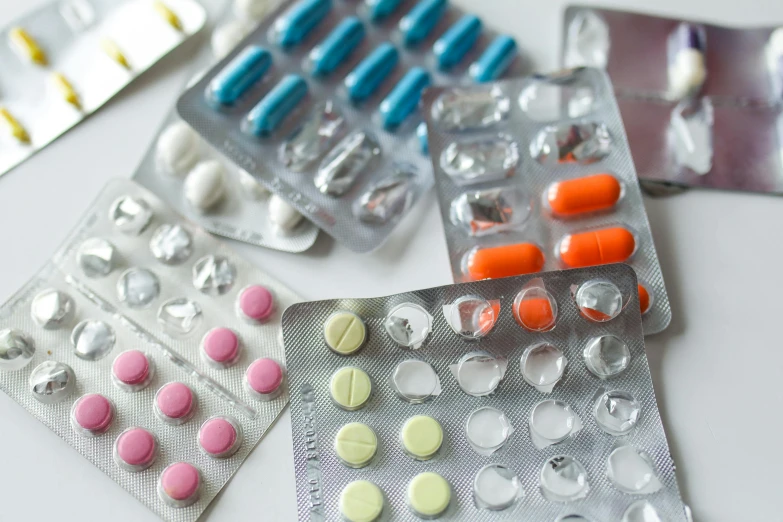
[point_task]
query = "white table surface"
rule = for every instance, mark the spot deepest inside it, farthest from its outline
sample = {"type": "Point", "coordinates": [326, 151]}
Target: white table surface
{"type": "Point", "coordinates": [717, 369]}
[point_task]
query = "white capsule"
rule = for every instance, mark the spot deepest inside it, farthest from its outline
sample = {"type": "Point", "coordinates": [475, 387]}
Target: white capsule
{"type": "Point", "coordinates": [225, 37]}
{"type": "Point", "coordinates": [205, 185]}
{"type": "Point", "coordinates": [178, 149]}
{"type": "Point", "coordinates": [687, 73]}
{"type": "Point", "coordinates": [282, 215]}
{"type": "Point", "coordinates": [252, 9]}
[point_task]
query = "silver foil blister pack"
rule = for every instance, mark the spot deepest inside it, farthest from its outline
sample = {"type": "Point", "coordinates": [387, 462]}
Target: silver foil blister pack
{"type": "Point", "coordinates": [319, 103]}
{"type": "Point", "coordinates": [535, 174]}
{"type": "Point", "coordinates": [462, 403]}
{"type": "Point", "coordinates": [702, 104]}
{"type": "Point", "coordinates": [143, 320]}
{"type": "Point", "coordinates": [63, 61]}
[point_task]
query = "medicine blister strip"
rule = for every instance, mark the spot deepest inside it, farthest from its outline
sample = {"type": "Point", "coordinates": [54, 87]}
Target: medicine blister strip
{"type": "Point", "coordinates": [154, 296]}
{"type": "Point", "coordinates": [535, 174]}
{"type": "Point", "coordinates": [581, 426]}
{"type": "Point", "coordinates": [320, 102]}
{"type": "Point", "coordinates": [65, 60]}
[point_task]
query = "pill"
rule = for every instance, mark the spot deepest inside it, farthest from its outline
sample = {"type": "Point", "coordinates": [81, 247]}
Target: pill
{"type": "Point", "coordinates": [282, 215]}
{"type": "Point", "coordinates": [177, 149]}
{"type": "Point", "coordinates": [239, 75]}
{"type": "Point", "coordinates": [331, 52]}
{"type": "Point", "coordinates": [132, 370]}
{"type": "Point", "coordinates": [220, 347]}
{"type": "Point", "coordinates": [455, 43]}
{"type": "Point", "coordinates": [66, 89]}
{"type": "Point", "coordinates": [205, 185]}
{"type": "Point", "coordinates": [380, 9]}
{"type": "Point", "coordinates": [535, 313]}
{"type": "Point", "coordinates": [169, 16]}
{"type": "Point", "coordinates": [597, 247]}
{"type": "Point", "coordinates": [355, 445]}
{"type": "Point", "coordinates": [135, 449]}
{"type": "Point", "coordinates": [220, 437]}
{"type": "Point", "coordinates": [253, 10]}
{"type": "Point", "coordinates": [644, 299]}
{"type": "Point", "coordinates": [405, 97]}
{"type": "Point", "coordinates": [227, 36]}
{"type": "Point", "coordinates": [179, 484]}
{"type": "Point", "coordinates": [15, 128]}
{"type": "Point", "coordinates": [273, 108]}
{"type": "Point", "coordinates": [368, 75]}
{"type": "Point", "coordinates": [26, 45]}
{"type": "Point", "coordinates": [429, 495]}
{"type": "Point", "coordinates": [419, 22]}
{"type": "Point", "coordinates": [421, 437]}
{"type": "Point", "coordinates": [495, 59]}
{"type": "Point", "coordinates": [687, 66]}
{"type": "Point", "coordinates": [344, 332]}
{"type": "Point", "coordinates": [92, 414]}
{"type": "Point", "coordinates": [350, 388]}
{"type": "Point", "coordinates": [295, 24]}
{"type": "Point", "coordinates": [114, 52]}
{"type": "Point", "coordinates": [255, 304]}
{"type": "Point", "coordinates": [264, 379]}
{"type": "Point", "coordinates": [175, 403]}
{"type": "Point", "coordinates": [582, 195]}
{"type": "Point", "coordinates": [503, 261]}
{"type": "Point", "coordinates": [361, 501]}
{"type": "Point", "coordinates": [421, 134]}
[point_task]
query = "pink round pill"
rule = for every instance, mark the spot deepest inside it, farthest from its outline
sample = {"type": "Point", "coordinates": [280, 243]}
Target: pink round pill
{"type": "Point", "coordinates": [135, 449]}
{"type": "Point", "coordinates": [174, 403]}
{"type": "Point", "coordinates": [92, 414]}
{"type": "Point", "coordinates": [132, 370]}
{"type": "Point", "coordinates": [220, 347]}
{"type": "Point", "coordinates": [179, 484]}
{"type": "Point", "coordinates": [220, 437]}
{"type": "Point", "coordinates": [256, 303]}
{"type": "Point", "coordinates": [263, 379]}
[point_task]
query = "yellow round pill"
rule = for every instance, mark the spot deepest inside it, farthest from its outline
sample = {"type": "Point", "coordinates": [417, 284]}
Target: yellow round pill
{"type": "Point", "coordinates": [361, 501]}
{"type": "Point", "coordinates": [429, 494]}
{"type": "Point", "coordinates": [421, 437]}
{"type": "Point", "coordinates": [344, 332]}
{"type": "Point", "coordinates": [350, 388]}
{"type": "Point", "coordinates": [355, 444]}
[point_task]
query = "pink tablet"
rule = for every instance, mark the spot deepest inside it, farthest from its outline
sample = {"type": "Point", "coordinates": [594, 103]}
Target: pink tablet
{"type": "Point", "coordinates": [264, 378]}
{"type": "Point", "coordinates": [220, 347]}
{"type": "Point", "coordinates": [256, 303]}
{"type": "Point", "coordinates": [220, 437]}
{"type": "Point", "coordinates": [132, 370]}
{"type": "Point", "coordinates": [179, 484]}
{"type": "Point", "coordinates": [135, 449]}
{"type": "Point", "coordinates": [175, 403]}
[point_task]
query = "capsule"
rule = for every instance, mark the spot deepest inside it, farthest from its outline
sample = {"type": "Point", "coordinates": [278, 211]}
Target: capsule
{"type": "Point", "coordinates": [504, 261]}
{"type": "Point", "coordinates": [582, 195]}
{"type": "Point", "coordinates": [17, 129]}
{"type": "Point", "coordinates": [291, 28]}
{"type": "Point", "coordinates": [168, 15]}
{"type": "Point", "coordinates": [26, 45]}
{"type": "Point", "coordinates": [687, 62]}
{"type": "Point", "coordinates": [337, 46]}
{"type": "Point", "coordinates": [597, 247]}
{"type": "Point", "coordinates": [276, 105]}
{"type": "Point", "coordinates": [455, 43]}
{"type": "Point", "coordinates": [371, 72]}
{"type": "Point", "coordinates": [535, 314]}
{"type": "Point", "coordinates": [419, 22]}
{"type": "Point", "coordinates": [66, 89]}
{"type": "Point", "coordinates": [421, 133]}
{"type": "Point", "coordinates": [114, 52]}
{"type": "Point", "coordinates": [380, 9]}
{"type": "Point", "coordinates": [239, 75]}
{"type": "Point", "coordinates": [405, 97]}
{"type": "Point", "coordinates": [644, 299]}
{"type": "Point", "coordinates": [495, 59]}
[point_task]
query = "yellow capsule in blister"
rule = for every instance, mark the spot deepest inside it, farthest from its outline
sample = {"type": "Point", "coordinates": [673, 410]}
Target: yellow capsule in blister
{"type": "Point", "coordinates": [27, 45]}
{"type": "Point", "coordinates": [168, 15]}
{"type": "Point", "coordinates": [16, 128]}
{"type": "Point", "coordinates": [66, 89]}
{"type": "Point", "coordinates": [114, 52]}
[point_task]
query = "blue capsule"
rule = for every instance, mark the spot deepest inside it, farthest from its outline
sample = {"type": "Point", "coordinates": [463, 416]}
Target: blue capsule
{"type": "Point", "coordinates": [337, 46]}
{"type": "Point", "coordinates": [370, 73]}
{"type": "Point", "coordinates": [404, 98]}
{"type": "Point", "coordinates": [421, 20]}
{"type": "Point", "coordinates": [495, 60]}
{"type": "Point", "coordinates": [267, 115]}
{"type": "Point", "coordinates": [455, 43]}
{"type": "Point", "coordinates": [380, 9]}
{"type": "Point", "coordinates": [292, 27]}
{"type": "Point", "coordinates": [241, 73]}
{"type": "Point", "coordinates": [421, 133]}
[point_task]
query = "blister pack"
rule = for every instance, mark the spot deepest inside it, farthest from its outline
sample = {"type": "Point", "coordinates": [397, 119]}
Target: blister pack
{"type": "Point", "coordinates": [524, 398]}
{"type": "Point", "coordinates": [150, 348]}
{"type": "Point", "coordinates": [685, 87]}
{"type": "Point", "coordinates": [200, 182]}
{"type": "Point", "coordinates": [63, 61]}
{"type": "Point", "coordinates": [535, 174]}
{"type": "Point", "coordinates": [320, 104]}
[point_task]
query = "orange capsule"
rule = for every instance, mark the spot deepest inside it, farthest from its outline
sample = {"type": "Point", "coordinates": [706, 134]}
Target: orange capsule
{"type": "Point", "coordinates": [504, 261]}
{"type": "Point", "coordinates": [582, 195]}
{"type": "Point", "coordinates": [597, 247]}
{"type": "Point", "coordinates": [644, 299]}
{"type": "Point", "coordinates": [535, 314]}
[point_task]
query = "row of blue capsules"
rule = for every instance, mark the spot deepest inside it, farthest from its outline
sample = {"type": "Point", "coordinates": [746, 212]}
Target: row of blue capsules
{"type": "Point", "coordinates": [320, 104]}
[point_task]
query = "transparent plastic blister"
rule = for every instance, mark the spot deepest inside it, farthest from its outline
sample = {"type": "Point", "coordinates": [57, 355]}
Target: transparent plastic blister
{"type": "Point", "coordinates": [87, 362]}
{"type": "Point", "coordinates": [514, 452]}
{"type": "Point", "coordinates": [549, 185]}
{"type": "Point", "coordinates": [201, 183]}
{"type": "Point", "coordinates": [64, 60]}
{"type": "Point", "coordinates": [319, 104]}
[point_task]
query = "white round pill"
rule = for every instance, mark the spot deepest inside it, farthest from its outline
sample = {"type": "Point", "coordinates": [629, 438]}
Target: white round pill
{"type": "Point", "coordinates": [282, 215]}
{"type": "Point", "coordinates": [225, 37]}
{"type": "Point", "coordinates": [252, 9]}
{"type": "Point", "coordinates": [205, 185]}
{"type": "Point", "coordinates": [177, 149]}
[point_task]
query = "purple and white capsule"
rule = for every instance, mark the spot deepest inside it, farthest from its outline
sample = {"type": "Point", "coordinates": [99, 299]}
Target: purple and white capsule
{"type": "Point", "coordinates": [687, 61]}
